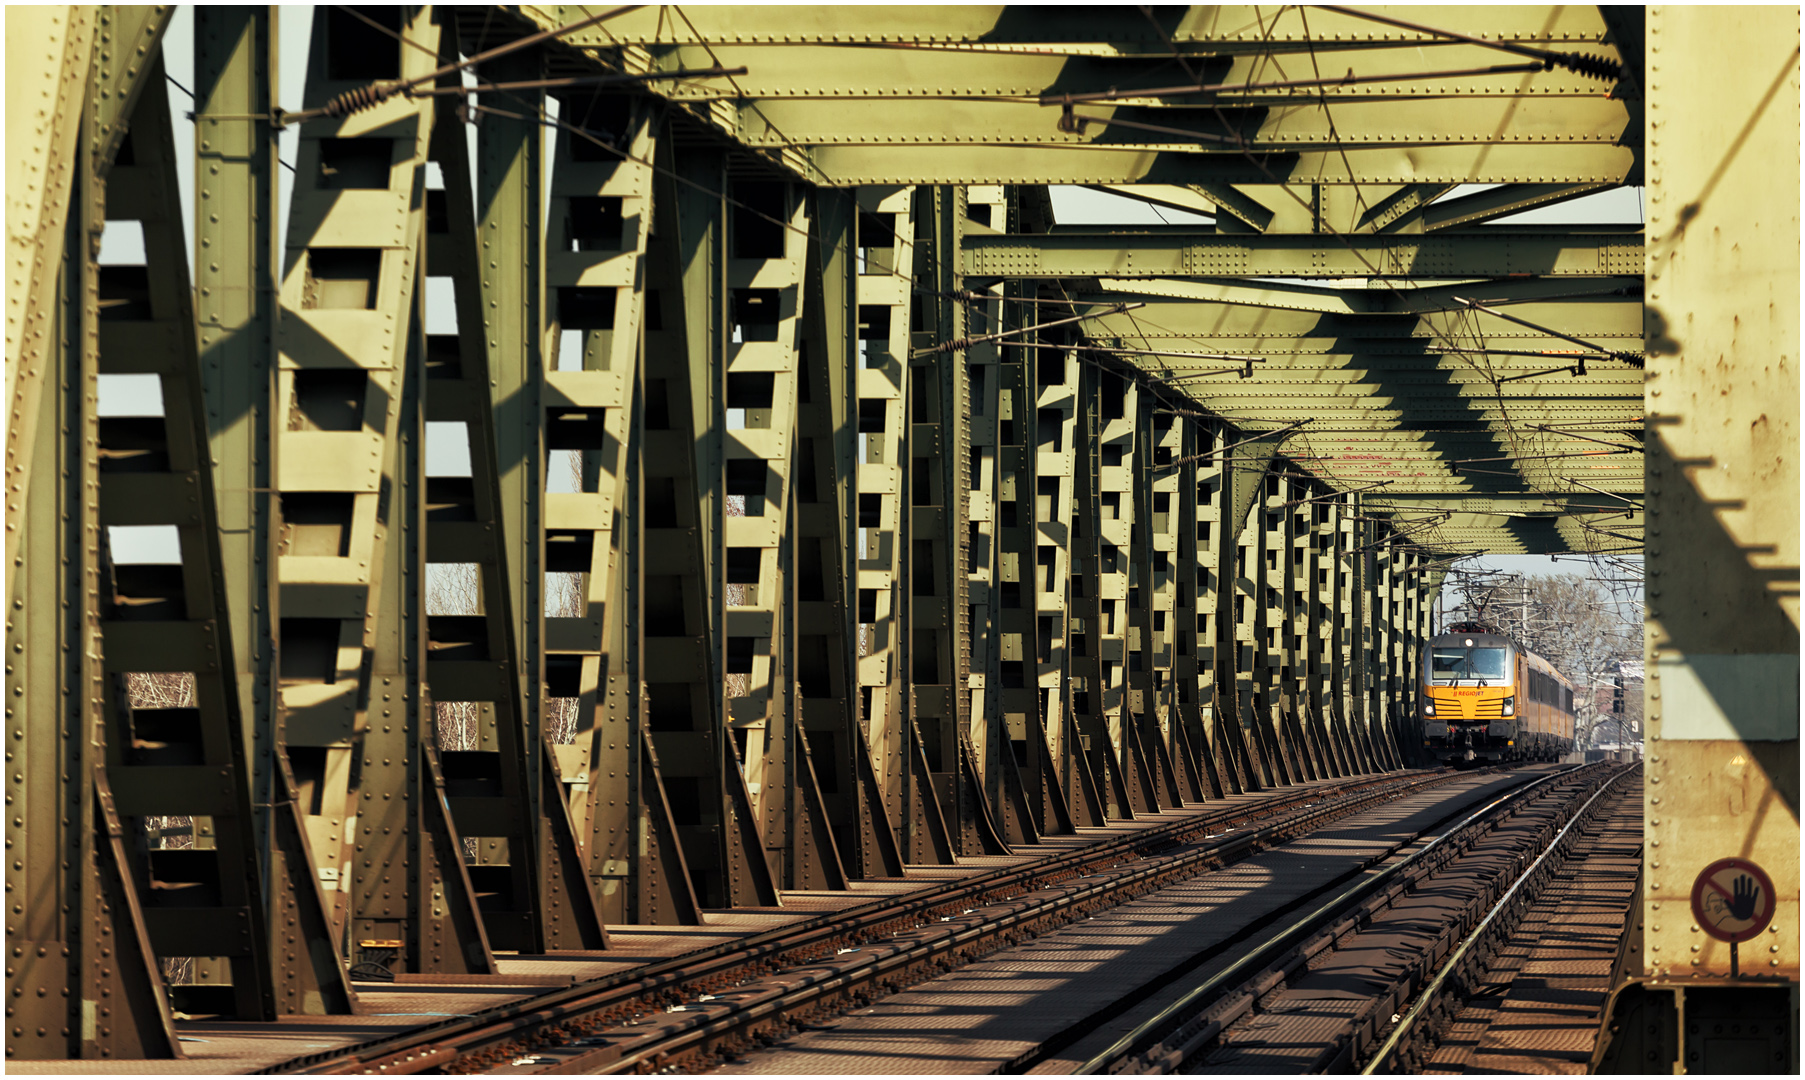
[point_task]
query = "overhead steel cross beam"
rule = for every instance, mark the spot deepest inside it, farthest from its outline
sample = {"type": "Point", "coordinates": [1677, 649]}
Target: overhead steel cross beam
{"type": "Point", "coordinates": [1403, 390]}
{"type": "Point", "coordinates": [1496, 251]}
{"type": "Point", "coordinates": [981, 87]}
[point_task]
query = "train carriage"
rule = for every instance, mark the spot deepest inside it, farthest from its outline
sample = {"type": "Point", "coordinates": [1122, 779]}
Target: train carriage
{"type": "Point", "coordinates": [1484, 698]}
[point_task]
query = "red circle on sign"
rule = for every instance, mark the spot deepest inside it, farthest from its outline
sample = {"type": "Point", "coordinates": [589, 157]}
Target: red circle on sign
{"type": "Point", "coordinates": [1733, 900]}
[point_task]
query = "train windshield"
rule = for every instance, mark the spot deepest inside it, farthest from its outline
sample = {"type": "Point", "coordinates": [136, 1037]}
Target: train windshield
{"type": "Point", "coordinates": [1453, 662]}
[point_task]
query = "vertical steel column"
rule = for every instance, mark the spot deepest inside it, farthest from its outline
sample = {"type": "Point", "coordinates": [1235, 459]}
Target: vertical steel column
{"type": "Point", "coordinates": [1362, 633]}
{"type": "Point", "coordinates": [551, 904]}
{"type": "Point", "coordinates": [941, 534]}
{"type": "Point", "coordinates": [1121, 579]}
{"type": "Point", "coordinates": [635, 854]}
{"type": "Point", "coordinates": [1343, 692]}
{"type": "Point", "coordinates": [886, 237]}
{"type": "Point", "coordinates": [1262, 622]}
{"type": "Point", "coordinates": [704, 221]}
{"type": "Point", "coordinates": [599, 226]}
{"type": "Point", "coordinates": [1027, 630]}
{"type": "Point", "coordinates": [1100, 587]}
{"type": "Point", "coordinates": [1286, 632]}
{"type": "Point", "coordinates": [236, 258]}
{"type": "Point", "coordinates": [169, 621]}
{"type": "Point", "coordinates": [468, 785]}
{"type": "Point", "coordinates": [235, 277]}
{"type": "Point", "coordinates": [1194, 616]}
{"type": "Point", "coordinates": [1318, 627]}
{"type": "Point", "coordinates": [1418, 606]}
{"type": "Point", "coordinates": [1218, 602]}
{"type": "Point", "coordinates": [983, 646]}
{"type": "Point", "coordinates": [1721, 633]}
{"type": "Point", "coordinates": [347, 312]}
{"type": "Point", "coordinates": [1313, 627]}
{"type": "Point", "coordinates": [1152, 545]}
{"type": "Point", "coordinates": [1391, 619]}
{"type": "Point", "coordinates": [82, 978]}
{"type": "Point", "coordinates": [1058, 578]}
{"type": "Point", "coordinates": [757, 373]}
{"type": "Point", "coordinates": [685, 566]}
{"type": "Point", "coordinates": [830, 625]}
{"type": "Point", "coordinates": [1241, 657]}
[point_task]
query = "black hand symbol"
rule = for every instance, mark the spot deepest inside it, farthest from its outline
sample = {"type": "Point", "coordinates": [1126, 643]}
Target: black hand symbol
{"type": "Point", "coordinates": [1742, 902]}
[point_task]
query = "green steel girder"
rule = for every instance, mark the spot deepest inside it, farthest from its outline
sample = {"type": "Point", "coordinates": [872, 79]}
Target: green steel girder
{"type": "Point", "coordinates": [872, 101]}
{"type": "Point", "coordinates": [807, 72]}
{"type": "Point", "coordinates": [126, 42]}
{"type": "Point", "coordinates": [1610, 306]}
{"type": "Point", "coordinates": [1229, 28]}
{"type": "Point", "coordinates": [186, 757]}
{"type": "Point", "coordinates": [1179, 162]}
{"type": "Point", "coordinates": [830, 421]}
{"type": "Point", "coordinates": [551, 903]}
{"type": "Point", "coordinates": [75, 929]}
{"type": "Point", "coordinates": [236, 226]}
{"type": "Point", "coordinates": [1498, 251]}
{"type": "Point", "coordinates": [44, 109]}
{"type": "Point", "coordinates": [1275, 127]}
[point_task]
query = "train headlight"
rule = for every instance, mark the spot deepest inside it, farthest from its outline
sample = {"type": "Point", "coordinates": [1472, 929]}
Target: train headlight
{"type": "Point", "coordinates": [1510, 706]}
{"type": "Point", "coordinates": [1428, 708]}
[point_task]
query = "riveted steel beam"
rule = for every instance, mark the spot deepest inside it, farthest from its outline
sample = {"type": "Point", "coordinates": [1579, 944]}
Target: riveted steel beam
{"type": "Point", "coordinates": [236, 263]}
{"type": "Point", "coordinates": [1001, 29]}
{"type": "Point", "coordinates": [1194, 610]}
{"type": "Point", "coordinates": [180, 753]}
{"type": "Point", "coordinates": [127, 40]}
{"type": "Point", "coordinates": [1103, 525]}
{"type": "Point", "coordinates": [1058, 571]}
{"type": "Point", "coordinates": [684, 569]}
{"type": "Point", "coordinates": [835, 627]}
{"type": "Point", "coordinates": [530, 850]}
{"type": "Point", "coordinates": [597, 266]}
{"type": "Point", "coordinates": [1722, 647]}
{"type": "Point", "coordinates": [84, 981]}
{"type": "Point", "coordinates": [1032, 625]}
{"type": "Point", "coordinates": [1179, 161]}
{"type": "Point", "coordinates": [759, 382]}
{"type": "Point", "coordinates": [803, 72]}
{"type": "Point", "coordinates": [1154, 604]}
{"type": "Point", "coordinates": [941, 531]}
{"type": "Point", "coordinates": [1550, 251]}
{"type": "Point", "coordinates": [45, 100]}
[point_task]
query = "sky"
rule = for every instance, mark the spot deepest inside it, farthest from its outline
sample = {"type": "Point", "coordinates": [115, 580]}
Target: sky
{"type": "Point", "coordinates": [447, 452]}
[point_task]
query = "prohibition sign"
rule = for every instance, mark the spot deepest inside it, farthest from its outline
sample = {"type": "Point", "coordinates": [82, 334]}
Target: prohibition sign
{"type": "Point", "coordinates": [1733, 900]}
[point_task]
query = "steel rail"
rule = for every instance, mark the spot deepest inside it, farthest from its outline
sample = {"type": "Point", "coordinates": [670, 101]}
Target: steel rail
{"type": "Point", "coordinates": [1406, 1026]}
{"type": "Point", "coordinates": [1031, 918]}
{"type": "Point", "coordinates": [1175, 1016]}
{"type": "Point", "coordinates": [705, 969]}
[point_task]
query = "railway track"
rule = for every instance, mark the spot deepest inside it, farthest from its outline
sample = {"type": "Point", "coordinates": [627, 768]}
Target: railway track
{"type": "Point", "coordinates": [1540, 961]}
{"type": "Point", "coordinates": [694, 1009]}
{"type": "Point", "coordinates": [1321, 993]}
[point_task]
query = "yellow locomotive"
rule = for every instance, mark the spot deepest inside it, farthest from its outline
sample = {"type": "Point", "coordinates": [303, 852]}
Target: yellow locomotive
{"type": "Point", "coordinates": [1485, 698]}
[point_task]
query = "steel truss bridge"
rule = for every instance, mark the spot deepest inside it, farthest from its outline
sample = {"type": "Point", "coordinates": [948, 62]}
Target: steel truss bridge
{"type": "Point", "coordinates": [887, 520]}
